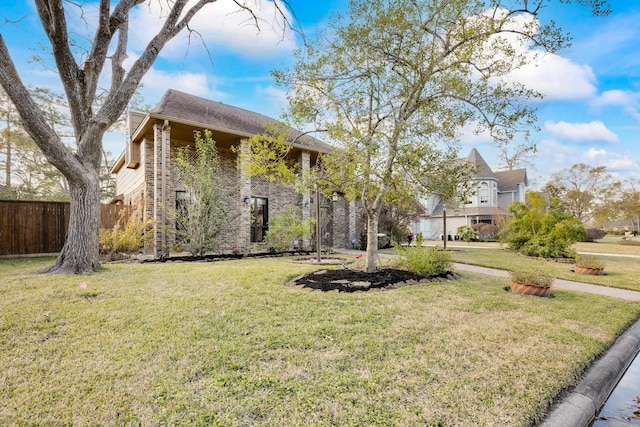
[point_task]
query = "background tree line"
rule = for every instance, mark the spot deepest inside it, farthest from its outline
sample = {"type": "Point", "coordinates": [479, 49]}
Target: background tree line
{"type": "Point", "coordinates": [591, 194]}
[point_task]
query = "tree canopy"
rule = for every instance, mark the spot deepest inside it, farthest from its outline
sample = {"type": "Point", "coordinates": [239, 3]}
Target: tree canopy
{"type": "Point", "coordinates": [391, 83]}
{"type": "Point", "coordinates": [584, 191]}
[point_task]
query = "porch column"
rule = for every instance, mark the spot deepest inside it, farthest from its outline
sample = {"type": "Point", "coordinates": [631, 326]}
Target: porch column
{"type": "Point", "coordinates": [244, 231]}
{"type": "Point", "coordinates": [305, 166]}
{"type": "Point", "coordinates": [161, 172]}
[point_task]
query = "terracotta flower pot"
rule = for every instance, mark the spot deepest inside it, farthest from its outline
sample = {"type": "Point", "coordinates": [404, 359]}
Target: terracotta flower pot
{"type": "Point", "coordinates": [587, 270]}
{"type": "Point", "coordinates": [525, 289]}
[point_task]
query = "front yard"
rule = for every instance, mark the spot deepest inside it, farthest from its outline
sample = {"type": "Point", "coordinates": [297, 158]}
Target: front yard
{"type": "Point", "coordinates": [226, 343]}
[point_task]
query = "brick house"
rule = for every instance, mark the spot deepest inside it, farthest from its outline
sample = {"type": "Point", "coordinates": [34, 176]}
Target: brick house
{"type": "Point", "coordinates": [145, 173]}
{"type": "Point", "coordinates": [495, 191]}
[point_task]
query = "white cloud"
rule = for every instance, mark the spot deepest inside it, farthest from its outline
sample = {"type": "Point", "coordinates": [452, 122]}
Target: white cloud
{"type": "Point", "coordinates": [594, 131]}
{"type": "Point", "coordinates": [220, 25]}
{"type": "Point", "coordinates": [276, 98]}
{"type": "Point", "coordinates": [556, 77]}
{"type": "Point", "coordinates": [552, 157]}
{"type": "Point", "coordinates": [613, 161]}
{"type": "Point", "coordinates": [469, 136]}
{"type": "Point", "coordinates": [629, 101]}
{"type": "Point", "coordinates": [157, 82]}
{"type": "Point", "coordinates": [553, 76]}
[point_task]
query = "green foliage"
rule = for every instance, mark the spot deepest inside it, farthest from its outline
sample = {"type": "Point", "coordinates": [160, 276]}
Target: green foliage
{"type": "Point", "coordinates": [588, 261]}
{"type": "Point", "coordinates": [531, 277]}
{"type": "Point", "coordinates": [125, 240]}
{"type": "Point", "coordinates": [286, 228]}
{"type": "Point", "coordinates": [426, 261]}
{"type": "Point", "coordinates": [204, 214]}
{"type": "Point", "coordinates": [534, 232]}
{"type": "Point", "coordinates": [392, 83]}
{"type": "Point", "coordinates": [267, 155]}
{"type": "Point", "coordinates": [467, 233]}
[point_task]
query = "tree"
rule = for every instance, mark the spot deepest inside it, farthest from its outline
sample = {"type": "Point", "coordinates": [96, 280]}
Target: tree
{"type": "Point", "coordinates": [392, 82]}
{"type": "Point", "coordinates": [519, 155]}
{"type": "Point", "coordinates": [583, 190]}
{"type": "Point", "coordinates": [10, 120]}
{"type": "Point", "coordinates": [202, 215]}
{"type": "Point", "coordinates": [627, 206]}
{"type": "Point", "coordinates": [286, 229]}
{"type": "Point", "coordinates": [27, 173]}
{"type": "Point", "coordinates": [79, 74]}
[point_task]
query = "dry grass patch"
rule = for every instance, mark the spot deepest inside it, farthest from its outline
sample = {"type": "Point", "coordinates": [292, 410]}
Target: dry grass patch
{"type": "Point", "coordinates": [226, 343]}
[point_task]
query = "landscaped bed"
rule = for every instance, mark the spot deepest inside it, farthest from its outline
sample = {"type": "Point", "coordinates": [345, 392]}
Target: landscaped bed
{"type": "Point", "coordinates": [227, 343]}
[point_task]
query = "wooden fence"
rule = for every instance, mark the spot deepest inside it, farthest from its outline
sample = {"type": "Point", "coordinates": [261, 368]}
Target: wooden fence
{"type": "Point", "coordinates": [33, 227]}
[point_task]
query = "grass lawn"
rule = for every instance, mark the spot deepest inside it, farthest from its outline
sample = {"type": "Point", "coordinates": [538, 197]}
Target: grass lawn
{"type": "Point", "coordinates": [227, 344]}
{"type": "Point", "coordinates": [620, 272]}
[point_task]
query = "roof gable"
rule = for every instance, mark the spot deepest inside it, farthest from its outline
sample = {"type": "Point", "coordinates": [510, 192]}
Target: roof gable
{"type": "Point", "coordinates": [510, 179]}
{"type": "Point", "coordinates": [482, 168]}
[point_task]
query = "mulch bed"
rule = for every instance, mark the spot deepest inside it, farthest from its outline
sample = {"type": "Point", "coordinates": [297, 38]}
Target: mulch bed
{"type": "Point", "coordinates": [225, 257]}
{"type": "Point", "coordinates": [347, 280]}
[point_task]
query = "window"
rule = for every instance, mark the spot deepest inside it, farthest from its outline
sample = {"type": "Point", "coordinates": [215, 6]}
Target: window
{"type": "Point", "coordinates": [259, 218]}
{"type": "Point", "coordinates": [483, 193]}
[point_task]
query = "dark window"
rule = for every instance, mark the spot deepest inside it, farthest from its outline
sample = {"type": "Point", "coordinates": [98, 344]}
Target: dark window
{"type": "Point", "coordinates": [259, 218]}
{"type": "Point", "coordinates": [484, 193]}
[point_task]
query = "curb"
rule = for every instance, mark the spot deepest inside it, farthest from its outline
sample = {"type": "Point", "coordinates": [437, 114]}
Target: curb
{"type": "Point", "coordinates": [579, 408]}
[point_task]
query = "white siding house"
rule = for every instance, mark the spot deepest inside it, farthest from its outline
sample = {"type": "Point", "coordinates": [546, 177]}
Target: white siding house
{"type": "Point", "coordinates": [494, 192]}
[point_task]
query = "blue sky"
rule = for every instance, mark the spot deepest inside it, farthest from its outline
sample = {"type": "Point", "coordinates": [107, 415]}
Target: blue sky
{"type": "Point", "coordinates": [590, 114]}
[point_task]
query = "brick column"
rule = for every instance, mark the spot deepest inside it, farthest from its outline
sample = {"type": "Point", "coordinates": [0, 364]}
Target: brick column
{"type": "Point", "coordinates": [353, 231]}
{"type": "Point", "coordinates": [161, 172]}
{"type": "Point", "coordinates": [305, 167]}
{"type": "Point", "coordinates": [341, 223]}
{"type": "Point", "coordinates": [244, 231]}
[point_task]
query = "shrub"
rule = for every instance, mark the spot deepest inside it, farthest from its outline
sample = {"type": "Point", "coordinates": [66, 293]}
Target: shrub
{"type": "Point", "coordinates": [486, 231]}
{"type": "Point", "coordinates": [425, 261]}
{"type": "Point", "coordinates": [588, 261]}
{"type": "Point", "coordinates": [286, 228]}
{"type": "Point", "coordinates": [531, 277]}
{"type": "Point", "coordinates": [467, 234]}
{"type": "Point", "coordinates": [594, 234]}
{"type": "Point", "coordinates": [127, 240]}
{"type": "Point", "coordinates": [535, 232]}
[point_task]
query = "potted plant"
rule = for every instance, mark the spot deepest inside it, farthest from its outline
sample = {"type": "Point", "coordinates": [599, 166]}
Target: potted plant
{"type": "Point", "coordinates": [588, 264]}
{"type": "Point", "coordinates": [531, 282]}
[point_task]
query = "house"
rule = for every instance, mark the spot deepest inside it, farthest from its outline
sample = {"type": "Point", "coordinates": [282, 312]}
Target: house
{"type": "Point", "coordinates": [621, 225]}
{"type": "Point", "coordinates": [145, 172]}
{"type": "Point", "coordinates": [494, 192]}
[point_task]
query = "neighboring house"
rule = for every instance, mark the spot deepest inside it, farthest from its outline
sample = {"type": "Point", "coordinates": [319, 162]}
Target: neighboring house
{"type": "Point", "coordinates": [494, 192]}
{"type": "Point", "coordinates": [145, 172]}
{"type": "Point", "coordinates": [621, 225]}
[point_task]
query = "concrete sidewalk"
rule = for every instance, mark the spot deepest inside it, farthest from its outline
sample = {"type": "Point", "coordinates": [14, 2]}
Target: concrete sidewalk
{"type": "Point", "coordinates": [565, 285]}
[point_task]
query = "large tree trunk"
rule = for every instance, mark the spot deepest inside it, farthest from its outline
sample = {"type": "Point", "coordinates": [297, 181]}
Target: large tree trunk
{"type": "Point", "coordinates": [80, 253]}
{"type": "Point", "coordinates": [372, 241]}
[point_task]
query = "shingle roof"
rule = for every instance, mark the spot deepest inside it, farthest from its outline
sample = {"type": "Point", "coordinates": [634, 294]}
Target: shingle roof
{"type": "Point", "coordinates": [483, 169]}
{"type": "Point", "coordinates": [195, 109]}
{"type": "Point", "coordinates": [509, 180]}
